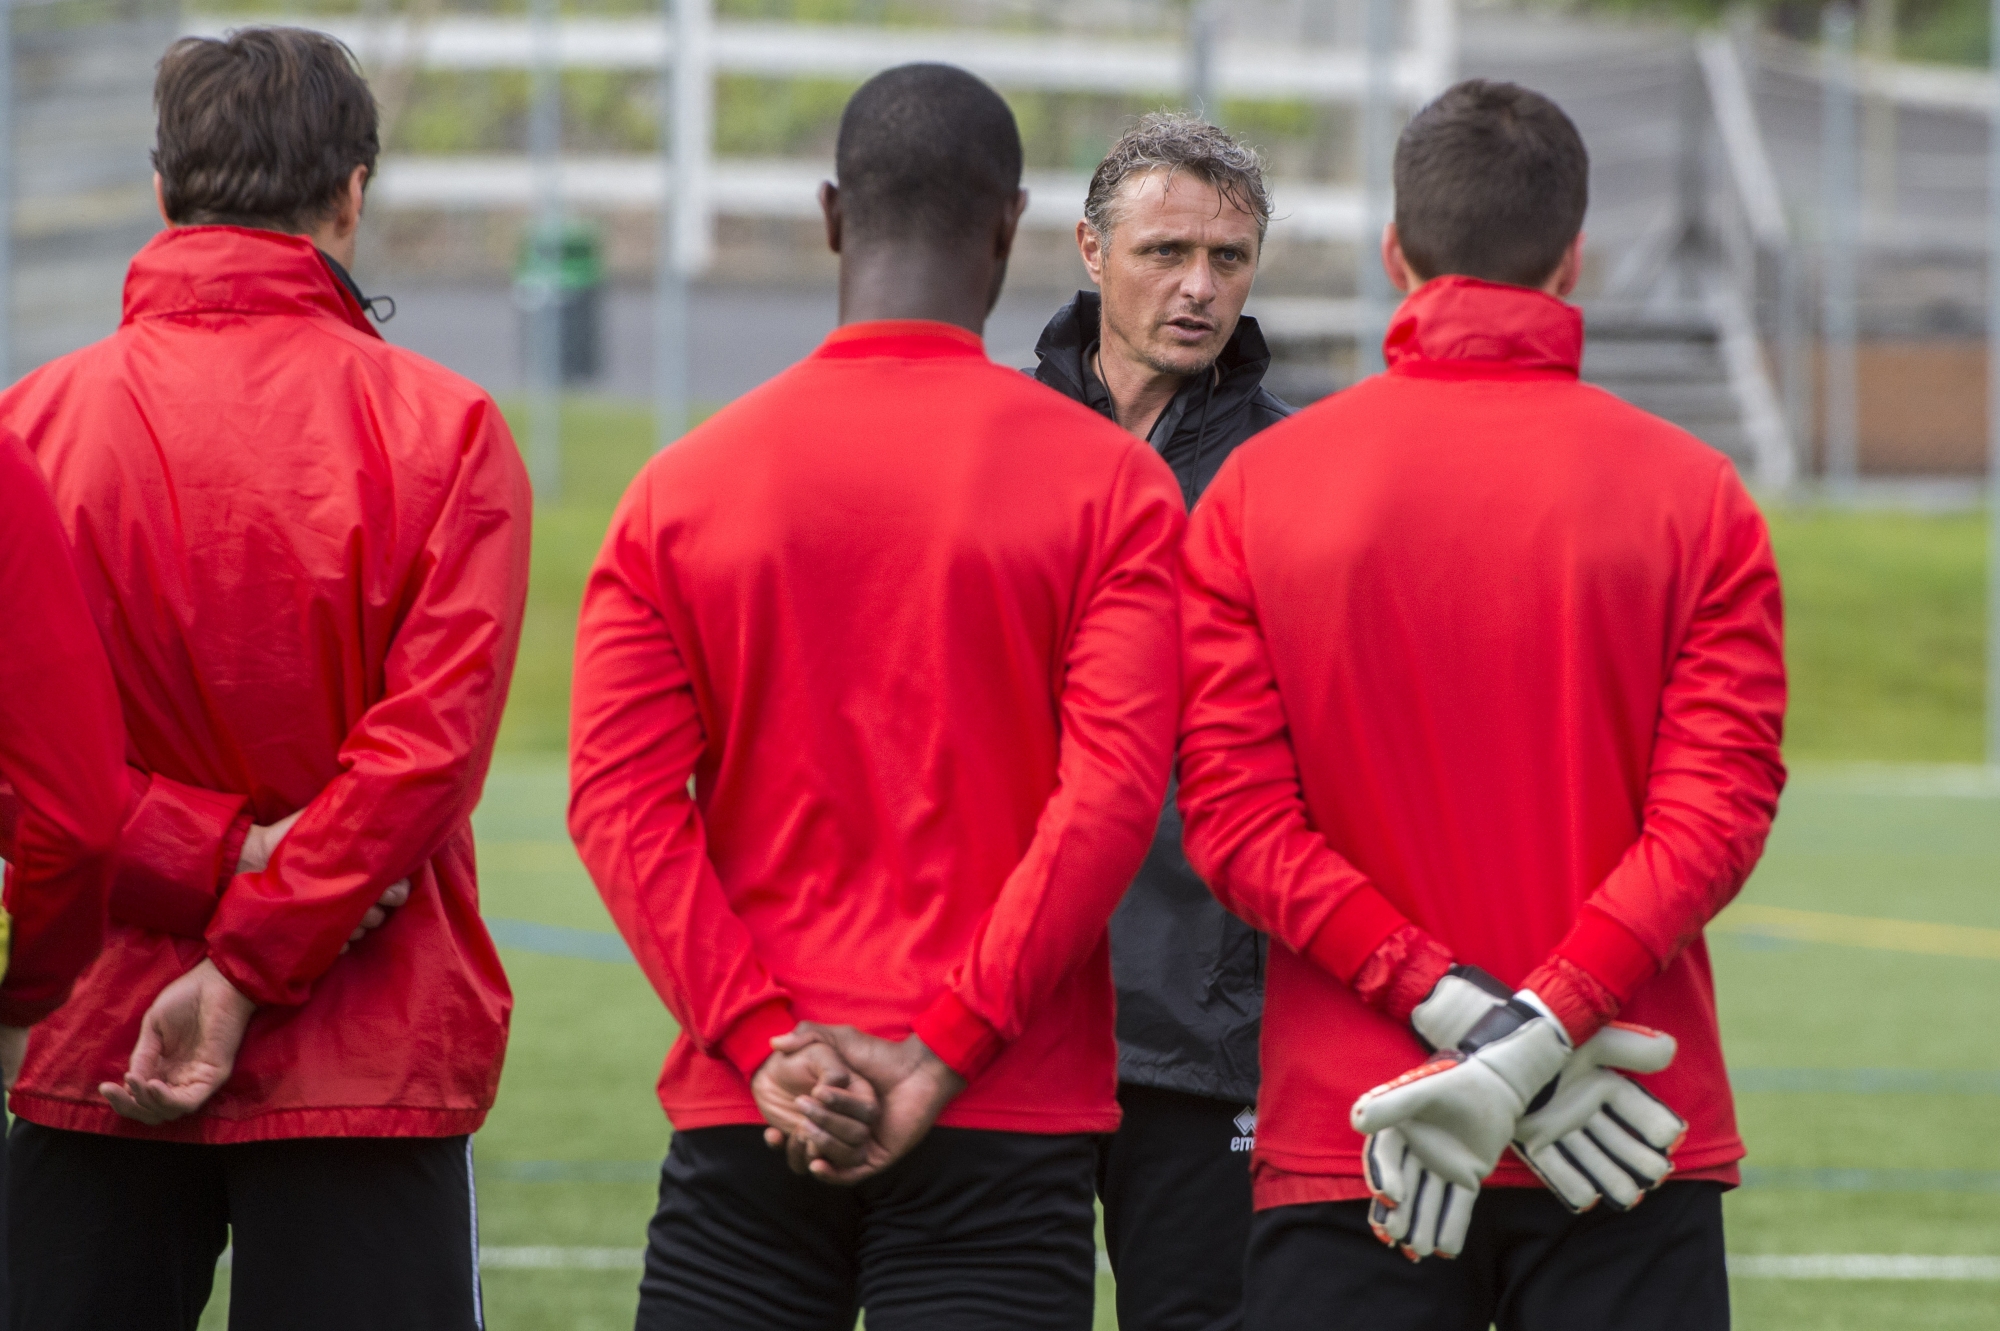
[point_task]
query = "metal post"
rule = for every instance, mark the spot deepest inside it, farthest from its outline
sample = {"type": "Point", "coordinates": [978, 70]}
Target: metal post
{"type": "Point", "coordinates": [6, 192]}
{"type": "Point", "coordinates": [670, 279]}
{"type": "Point", "coordinates": [1378, 151]}
{"type": "Point", "coordinates": [1878, 39]}
{"type": "Point", "coordinates": [1841, 185]}
{"type": "Point", "coordinates": [1202, 26]}
{"type": "Point", "coordinates": [1993, 410]}
{"type": "Point", "coordinates": [542, 292]}
{"type": "Point", "coordinates": [686, 112]}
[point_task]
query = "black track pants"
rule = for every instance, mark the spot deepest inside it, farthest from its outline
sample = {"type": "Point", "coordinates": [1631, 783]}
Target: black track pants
{"type": "Point", "coordinates": [1175, 1182]}
{"type": "Point", "coordinates": [1528, 1265]}
{"type": "Point", "coordinates": [972, 1231]}
{"type": "Point", "coordinates": [329, 1233]}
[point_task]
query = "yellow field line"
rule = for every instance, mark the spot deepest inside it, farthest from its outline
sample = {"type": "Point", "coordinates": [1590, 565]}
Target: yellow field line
{"type": "Point", "coordinates": [1812, 926]}
{"type": "Point", "coordinates": [533, 856]}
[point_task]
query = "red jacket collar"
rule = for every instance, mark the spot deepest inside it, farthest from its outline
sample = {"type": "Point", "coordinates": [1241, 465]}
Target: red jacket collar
{"type": "Point", "coordinates": [204, 269]}
{"type": "Point", "coordinates": [901, 339]}
{"type": "Point", "coordinates": [1463, 328]}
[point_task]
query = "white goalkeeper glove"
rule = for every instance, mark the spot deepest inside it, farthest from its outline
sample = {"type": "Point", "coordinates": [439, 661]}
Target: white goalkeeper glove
{"type": "Point", "coordinates": [1457, 1112]}
{"type": "Point", "coordinates": [1601, 1136]}
{"type": "Point", "coordinates": [1454, 1006]}
{"type": "Point", "coordinates": [1413, 1209]}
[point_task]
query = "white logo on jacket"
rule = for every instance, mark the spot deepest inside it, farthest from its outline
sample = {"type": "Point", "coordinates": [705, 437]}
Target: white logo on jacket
{"type": "Point", "coordinates": [1246, 1129]}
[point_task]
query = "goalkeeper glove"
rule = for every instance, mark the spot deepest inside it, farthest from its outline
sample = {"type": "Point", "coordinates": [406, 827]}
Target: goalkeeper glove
{"type": "Point", "coordinates": [1413, 1209]}
{"type": "Point", "coordinates": [1601, 1136]}
{"type": "Point", "coordinates": [1455, 1005]}
{"type": "Point", "coordinates": [1457, 1112]}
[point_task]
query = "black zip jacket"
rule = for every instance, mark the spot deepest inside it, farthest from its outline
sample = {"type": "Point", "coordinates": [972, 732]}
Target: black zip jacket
{"type": "Point", "coordinates": [1190, 975]}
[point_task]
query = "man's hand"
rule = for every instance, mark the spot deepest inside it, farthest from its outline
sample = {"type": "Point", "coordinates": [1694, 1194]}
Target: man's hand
{"type": "Point", "coordinates": [1413, 1209]}
{"type": "Point", "coordinates": [815, 1076]}
{"type": "Point", "coordinates": [13, 1048]}
{"type": "Point", "coordinates": [1602, 1136]}
{"type": "Point", "coordinates": [396, 894]}
{"type": "Point", "coordinates": [262, 844]}
{"type": "Point", "coordinates": [914, 1085]}
{"type": "Point", "coordinates": [187, 1048]}
{"type": "Point", "coordinates": [1457, 1112]}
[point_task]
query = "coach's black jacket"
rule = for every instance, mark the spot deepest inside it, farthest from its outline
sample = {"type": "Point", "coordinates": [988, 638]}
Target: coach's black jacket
{"type": "Point", "coordinates": [1190, 975]}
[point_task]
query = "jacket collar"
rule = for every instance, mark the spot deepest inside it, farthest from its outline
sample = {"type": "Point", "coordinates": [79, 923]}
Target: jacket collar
{"type": "Point", "coordinates": [1071, 338]}
{"type": "Point", "coordinates": [1463, 328]}
{"type": "Point", "coordinates": [216, 269]}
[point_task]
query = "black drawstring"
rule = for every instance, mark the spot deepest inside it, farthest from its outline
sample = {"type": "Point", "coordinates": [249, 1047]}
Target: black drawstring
{"type": "Point", "coordinates": [369, 303]}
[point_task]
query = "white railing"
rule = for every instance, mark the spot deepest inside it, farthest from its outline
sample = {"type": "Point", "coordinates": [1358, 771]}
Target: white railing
{"type": "Point", "coordinates": [709, 186]}
{"type": "Point", "coordinates": [1747, 216]}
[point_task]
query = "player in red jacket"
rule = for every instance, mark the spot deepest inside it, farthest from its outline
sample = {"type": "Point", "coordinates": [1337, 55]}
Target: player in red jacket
{"type": "Point", "coordinates": [306, 552]}
{"type": "Point", "coordinates": [61, 767]}
{"type": "Point", "coordinates": [1484, 680]}
{"type": "Point", "coordinates": [875, 696]}
{"type": "Point", "coordinates": [61, 761]}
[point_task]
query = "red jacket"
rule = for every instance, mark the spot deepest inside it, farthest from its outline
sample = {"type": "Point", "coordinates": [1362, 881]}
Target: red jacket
{"type": "Point", "coordinates": [307, 554]}
{"type": "Point", "coordinates": [908, 621]}
{"type": "Point", "coordinates": [61, 753]}
{"type": "Point", "coordinates": [1479, 649]}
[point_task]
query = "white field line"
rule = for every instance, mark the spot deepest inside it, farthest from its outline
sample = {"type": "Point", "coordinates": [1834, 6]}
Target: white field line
{"type": "Point", "coordinates": [1916, 780]}
{"type": "Point", "coordinates": [1864, 1266]}
{"type": "Point", "coordinates": [561, 1259]}
{"type": "Point", "coordinates": [1803, 1266]}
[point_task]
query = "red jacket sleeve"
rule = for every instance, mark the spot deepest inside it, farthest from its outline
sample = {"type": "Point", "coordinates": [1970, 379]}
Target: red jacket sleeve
{"type": "Point", "coordinates": [412, 767]}
{"type": "Point", "coordinates": [1118, 700]}
{"type": "Point", "coordinates": [635, 736]}
{"type": "Point", "coordinates": [1713, 786]}
{"type": "Point", "coordinates": [62, 742]}
{"type": "Point", "coordinates": [1243, 809]}
{"type": "Point", "coordinates": [178, 851]}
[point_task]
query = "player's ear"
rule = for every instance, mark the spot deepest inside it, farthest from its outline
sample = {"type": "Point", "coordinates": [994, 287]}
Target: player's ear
{"type": "Point", "coordinates": [829, 206]}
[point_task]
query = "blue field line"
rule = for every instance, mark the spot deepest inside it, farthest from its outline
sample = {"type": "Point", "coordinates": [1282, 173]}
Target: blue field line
{"type": "Point", "coordinates": [558, 940]}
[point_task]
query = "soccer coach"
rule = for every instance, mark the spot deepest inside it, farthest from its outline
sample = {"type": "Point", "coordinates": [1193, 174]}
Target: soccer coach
{"type": "Point", "coordinates": [306, 552]}
{"type": "Point", "coordinates": [875, 697]}
{"type": "Point", "coordinates": [1172, 233]}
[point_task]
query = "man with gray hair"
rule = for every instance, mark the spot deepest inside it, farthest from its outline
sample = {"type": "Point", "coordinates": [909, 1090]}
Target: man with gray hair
{"type": "Point", "coordinates": [1171, 235]}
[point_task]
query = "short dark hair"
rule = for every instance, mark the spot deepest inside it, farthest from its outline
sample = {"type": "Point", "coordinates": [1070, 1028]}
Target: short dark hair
{"type": "Point", "coordinates": [261, 128]}
{"type": "Point", "coordinates": [926, 152]}
{"type": "Point", "coordinates": [1176, 141]}
{"type": "Point", "coordinates": [1492, 181]}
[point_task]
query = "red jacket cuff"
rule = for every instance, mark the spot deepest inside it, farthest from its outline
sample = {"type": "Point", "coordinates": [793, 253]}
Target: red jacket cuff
{"type": "Point", "coordinates": [1592, 974]}
{"type": "Point", "coordinates": [1353, 933]}
{"type": "Point", "coordinates": [748, 1043]}
{"type": "Point", "coordinates": [232, 848]}
{"type": "Point", "coordinates": [246, 979]}
{"type": "Point", "coordinates": [1401, 973]}
{"type": "Point", "coordinates": [177, 851]}
{"type": "Point", "coordinates": [958, 1035]}
{"type": "Point", "coordinates": [26, 1012]}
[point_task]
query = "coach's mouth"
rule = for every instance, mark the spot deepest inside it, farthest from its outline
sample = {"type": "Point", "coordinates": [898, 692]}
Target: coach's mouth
{"type": "Point", "coordinates": [1188, 328]}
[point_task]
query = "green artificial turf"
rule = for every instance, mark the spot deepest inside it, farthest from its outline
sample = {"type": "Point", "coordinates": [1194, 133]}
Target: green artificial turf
{"type": "Point", "coordinates": [1884, 632]}
{"type": "Point", "coordinates": [577, 1110]}
{"type": "Point", "coordinates": [1884, 611]}
{"type": "Point", "coordinates": [1884, 641]}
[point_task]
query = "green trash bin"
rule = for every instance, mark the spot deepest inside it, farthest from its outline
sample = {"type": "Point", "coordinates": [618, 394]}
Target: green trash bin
{"type": "Point", "coordinates": [567, 264]}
